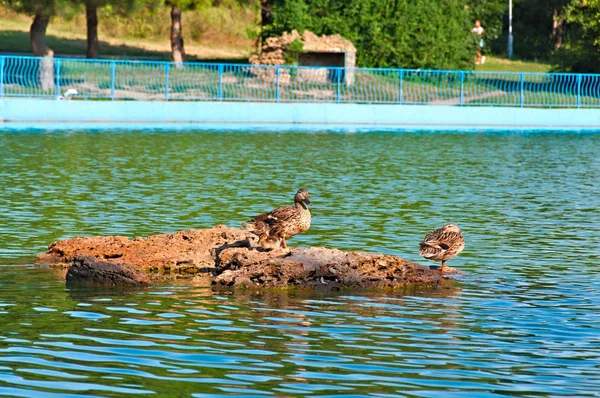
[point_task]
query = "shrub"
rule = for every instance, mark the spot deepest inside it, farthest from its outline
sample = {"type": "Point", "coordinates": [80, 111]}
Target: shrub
{"type": "Point", "coordinates": [401, 33]}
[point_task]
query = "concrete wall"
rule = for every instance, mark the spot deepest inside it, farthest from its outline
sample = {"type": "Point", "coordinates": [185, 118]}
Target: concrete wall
{"type": "Point", "coordinates": [244, 114]}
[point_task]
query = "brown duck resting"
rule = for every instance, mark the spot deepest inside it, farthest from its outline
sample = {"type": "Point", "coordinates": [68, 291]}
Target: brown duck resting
{"type": "Point", "coordinates": [442, 244]}
{"type": "Point", "coordinates": [274, 227]}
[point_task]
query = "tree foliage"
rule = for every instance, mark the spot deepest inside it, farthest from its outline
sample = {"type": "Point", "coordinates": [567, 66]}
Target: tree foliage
{"type": "Point", "coordinates": [581, 52]}
{"type": "Point", "coordinates": [567, 32]}
{"type": "Point", "coordinates": [64, 8]}
{"type": "Point", "coordinates": [394, 33]}
{"type": "Point", "coordinates": [538, 29]}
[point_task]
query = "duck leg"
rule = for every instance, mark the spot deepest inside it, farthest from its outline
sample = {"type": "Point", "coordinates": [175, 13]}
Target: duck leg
{"type": "Point", "coordinates": [442, 267]}
{"type": "Point", "coordinates": [283, 244]}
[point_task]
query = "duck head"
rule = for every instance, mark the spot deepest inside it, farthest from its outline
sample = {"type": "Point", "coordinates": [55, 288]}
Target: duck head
{"type": "Point", "coordinates": [302, 197]}
{"type": "Point", "coordinates": [451, 228]}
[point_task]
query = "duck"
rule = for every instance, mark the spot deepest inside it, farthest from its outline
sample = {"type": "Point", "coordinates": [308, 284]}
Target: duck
{"type": "Point", "coordinates": [442, 244]}
{"type": "Point", "coordinates": [283, 222]}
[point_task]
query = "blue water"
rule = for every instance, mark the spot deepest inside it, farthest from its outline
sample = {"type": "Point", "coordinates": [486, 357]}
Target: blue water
{"type": "Point", "coordinates": [523, 320]}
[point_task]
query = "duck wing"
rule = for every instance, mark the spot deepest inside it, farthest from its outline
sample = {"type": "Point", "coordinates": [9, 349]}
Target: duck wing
{"type": "Point", "coordinates": [284, 213]}
{"type": "Point", "coordinates": [432, 248]}
{"type": "Point", "coordinates": [263, 223]}
{"type": "Point", "coordinates": [268, 218]}
{"type": "Point", "coordinates": [438, 242]}
{"type": "Point", "coordinates": [434, 245]}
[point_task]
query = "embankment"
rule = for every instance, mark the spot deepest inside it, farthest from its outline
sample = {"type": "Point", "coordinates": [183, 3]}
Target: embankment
{"type": "Point", "coordinates": [245, 114]}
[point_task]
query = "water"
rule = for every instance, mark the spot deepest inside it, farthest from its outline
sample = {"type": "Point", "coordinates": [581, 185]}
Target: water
{"type": "Point", "coordinates": [523, 321]}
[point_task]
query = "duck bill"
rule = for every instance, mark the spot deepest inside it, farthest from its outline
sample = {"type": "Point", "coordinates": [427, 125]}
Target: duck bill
{"type": "Point", "coordinates": [307, 202]}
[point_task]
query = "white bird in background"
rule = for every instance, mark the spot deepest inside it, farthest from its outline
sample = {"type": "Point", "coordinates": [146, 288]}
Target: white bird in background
{"type": "Point", "coordinates": [68, 94]}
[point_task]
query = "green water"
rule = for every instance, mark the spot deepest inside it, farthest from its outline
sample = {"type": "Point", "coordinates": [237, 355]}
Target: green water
{"type": "Point", "coordinates": [523, 321]}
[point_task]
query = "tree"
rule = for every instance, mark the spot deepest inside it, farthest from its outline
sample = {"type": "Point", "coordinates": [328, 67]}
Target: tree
{"type": "Point", "coordinates": [176, 32]}
{"type": "Point", "coordinates": [581, 49]}
{"type": "Point", "coordinates": [42, 11]}
{"type": "Point", "coordinates": [176, 35]}
{"type": "Point", "coordinates": [558, 23]}
{"type": "Point", "coordinates": [91, 18]}
{"type": "Point", "coordinates": [563, 31]}
{"type": "Point", "coordinates": [37, 33]}
{"type": "Point", "coordinates": [266, 17]}
{"type": "Point", "coordinates": [123, 7]}
{"type": "Point", "coordinates": [387, 33]}
{"type": "Point", "coordinates": [539, 28]}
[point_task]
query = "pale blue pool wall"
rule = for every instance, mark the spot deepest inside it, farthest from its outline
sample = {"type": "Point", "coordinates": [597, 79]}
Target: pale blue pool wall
{"type": "Point", "coordinates": [33, 110]}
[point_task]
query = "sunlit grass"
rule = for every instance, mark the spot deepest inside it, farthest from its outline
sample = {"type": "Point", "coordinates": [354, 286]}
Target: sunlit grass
{"type": "Point", "coordinates": [496, 64]}
{"type": "Point", "coordinates": [209, 40]}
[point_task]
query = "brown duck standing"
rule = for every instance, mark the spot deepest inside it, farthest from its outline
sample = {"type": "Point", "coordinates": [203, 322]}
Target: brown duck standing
{"type": "Point", "coordinates": [442, 244]}
{"type": "Point", "coordinates": [283, 222]}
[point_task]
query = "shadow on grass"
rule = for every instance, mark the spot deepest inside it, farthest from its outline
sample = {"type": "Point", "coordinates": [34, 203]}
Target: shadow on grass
{"type": "Point", "coordinates": [554, 85]}
{"type": "Point", "coordinates": [17, 42]}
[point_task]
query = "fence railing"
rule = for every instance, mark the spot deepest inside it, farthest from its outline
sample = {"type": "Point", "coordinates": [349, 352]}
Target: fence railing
{"type": "Point", "coordinates": [166, 81]}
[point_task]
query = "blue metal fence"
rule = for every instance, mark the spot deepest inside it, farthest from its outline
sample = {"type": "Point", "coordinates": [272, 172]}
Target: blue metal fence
{"type": "Point", "coordinates": [166, 81]}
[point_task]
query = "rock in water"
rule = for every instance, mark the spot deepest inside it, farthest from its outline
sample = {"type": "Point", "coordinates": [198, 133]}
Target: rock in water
{"type": "Point", "coordinates": [318, 267]}
{"type": "Point", "coordinates": [181, 253]}
{"type": "Point", "coordinates": [224, 257]}
{"type": "Point", "coordinates": [90, 271]}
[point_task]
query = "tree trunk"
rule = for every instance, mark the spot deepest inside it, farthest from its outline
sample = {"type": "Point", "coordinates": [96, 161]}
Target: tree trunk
{"type": "Point", "coordinates": [266, 14]}
{"type": "Point", "coordinates": [177, 49]}
{"type": "Point", "coordinates": [557, 29]}
{"type": "Point", "coordinates": [37, 35]}
{"type": "Point", "coordinates": [91, 15]}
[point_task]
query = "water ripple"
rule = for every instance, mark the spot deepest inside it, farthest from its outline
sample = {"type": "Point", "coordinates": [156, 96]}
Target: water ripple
{"type": "Point", "coordinates": [523, 321]}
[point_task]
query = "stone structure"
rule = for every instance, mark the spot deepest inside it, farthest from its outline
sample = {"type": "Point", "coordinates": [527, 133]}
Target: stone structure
{"type": "Point", "coordinates": [318, 51]}
{"type": "Point", "coordinates": [224, 257]}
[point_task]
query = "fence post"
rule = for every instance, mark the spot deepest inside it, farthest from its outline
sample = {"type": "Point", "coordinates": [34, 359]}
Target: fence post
{"type": "Point", "coordinates": [277, 84]}
{"type": "Point", "coordinates": [220, 82]}
{"type": "Point", "coordinates": [461, 100]}
{"type": "Point", "coordinates": [578, 90]}
{"type": "Point", "coordinates": [112, 79]}
{"type": "Point", "coordinates": [401, 77]}
{"type": "Point", "coordinates": [166, 81]}
{"type": "Point", "coordinates": [1, 77]}
{"type": "Point", "coordinates": [57, 76]}
{"type": "Point", "coordinates": [522, 90]}
{"type": "Point", "coordinates": [339, 84]}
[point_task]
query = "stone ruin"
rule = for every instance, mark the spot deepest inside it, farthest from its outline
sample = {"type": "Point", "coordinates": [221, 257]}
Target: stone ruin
{"type": "Point", "coordinates": [319, 52]}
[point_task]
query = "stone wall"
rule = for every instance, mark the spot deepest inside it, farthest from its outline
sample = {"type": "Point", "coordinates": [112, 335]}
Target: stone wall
{"type": "Point", "coordinates": [318, 51]}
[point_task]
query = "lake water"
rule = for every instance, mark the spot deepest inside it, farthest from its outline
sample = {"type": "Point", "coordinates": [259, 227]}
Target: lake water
{"type": "Point", "coordinates": [523, 321]}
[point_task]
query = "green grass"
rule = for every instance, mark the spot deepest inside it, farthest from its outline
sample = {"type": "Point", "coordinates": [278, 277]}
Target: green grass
{"type": "Point", "coordinates": [18, 42]}
{"type": "Point", "coordinates": [496, 64]}
{"type": "Point", "coordinates": [214, 35]}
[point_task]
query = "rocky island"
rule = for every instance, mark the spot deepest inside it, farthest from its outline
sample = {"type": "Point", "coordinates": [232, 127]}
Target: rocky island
{"type": "Point", "coordinates": [225, 257]}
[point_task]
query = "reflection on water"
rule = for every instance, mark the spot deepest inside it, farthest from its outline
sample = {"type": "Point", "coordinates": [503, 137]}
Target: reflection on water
{"type": "Point", "coordinates": [523, 321]}
{"type": "Point", "coordinates": [472, 336]}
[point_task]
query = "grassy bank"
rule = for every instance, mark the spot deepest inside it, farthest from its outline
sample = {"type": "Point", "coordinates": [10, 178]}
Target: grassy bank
{"type": "Point", "coordinates": [496, 64]}
{"type": "Point", "coordinates": [214, 34]}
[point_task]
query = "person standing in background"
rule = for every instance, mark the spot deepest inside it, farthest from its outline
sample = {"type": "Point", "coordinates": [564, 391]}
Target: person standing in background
{"type": "Point", "coordinates": [478, 30]}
